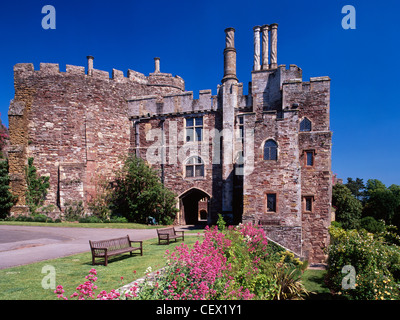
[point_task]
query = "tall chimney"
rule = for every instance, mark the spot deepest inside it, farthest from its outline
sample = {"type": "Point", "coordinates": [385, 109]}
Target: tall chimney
{"type": "Point", "coordinates": [90, 65]}
{"type": "Point", "coordinates": [256, 65]}
{"type": "Point", "coordinates": [156, 65]}
{"type": "Point", "coordinates": [229, 56]}
{"type": "Point", "coordinates": [274, 40]}
{"type": "Point", "coordinates": [265, 30]}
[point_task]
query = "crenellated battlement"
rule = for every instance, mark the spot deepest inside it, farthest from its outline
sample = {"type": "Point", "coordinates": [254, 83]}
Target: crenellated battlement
{"type": "Point", "coordinates": [23, 71]}
{"type": "Point", "coordinates": [149, 106]}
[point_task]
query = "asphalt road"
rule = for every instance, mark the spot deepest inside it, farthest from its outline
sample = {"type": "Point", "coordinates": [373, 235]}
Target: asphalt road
{"type": "Point", "coordinates": [20, 245]}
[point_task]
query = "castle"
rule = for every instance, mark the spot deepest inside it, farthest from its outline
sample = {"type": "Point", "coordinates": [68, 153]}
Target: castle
{"type": "Point", "coordinates": [263, 157]}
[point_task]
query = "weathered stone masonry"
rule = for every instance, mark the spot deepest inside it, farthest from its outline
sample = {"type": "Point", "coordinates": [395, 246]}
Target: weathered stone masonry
{"type": "Point", "coordinates": [263, 157]}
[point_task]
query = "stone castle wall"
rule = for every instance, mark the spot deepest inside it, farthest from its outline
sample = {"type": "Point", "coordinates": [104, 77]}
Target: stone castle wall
{"type": "Point", "coordinates": [75, 125]}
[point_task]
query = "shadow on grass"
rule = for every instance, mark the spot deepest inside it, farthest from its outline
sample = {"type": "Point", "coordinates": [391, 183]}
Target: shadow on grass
{"type": "Point", "coordinates": [100, 261]}
{"type": "Point", "coordinates": [323, 293]}
{"type": "Point", "coordinates": [165, 244]}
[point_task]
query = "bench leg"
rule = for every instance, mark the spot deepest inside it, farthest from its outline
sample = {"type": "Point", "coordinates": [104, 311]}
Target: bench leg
{"type": "Point", "coordinates": [106, 260]}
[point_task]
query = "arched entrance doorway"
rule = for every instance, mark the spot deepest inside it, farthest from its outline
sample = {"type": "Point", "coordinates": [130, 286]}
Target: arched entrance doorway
{"type": "Point", "coordinates": [194, 207]}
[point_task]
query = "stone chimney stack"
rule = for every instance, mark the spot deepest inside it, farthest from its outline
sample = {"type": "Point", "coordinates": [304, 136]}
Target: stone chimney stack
{"type": "Point", "coordinates": [256, 65]}
{"type": "Point", "coordinates": [274, 41]}
{"type": "Point", "coordinates": [265, 44]}
{"type": "Point", "coordinates": [229, 56]}
{"type": "Point", "coordinates": [156, 65]}
{"type": "Point", "coordinates": [265, 29]}
{"type": "Point", "coordinates": [90, 65]}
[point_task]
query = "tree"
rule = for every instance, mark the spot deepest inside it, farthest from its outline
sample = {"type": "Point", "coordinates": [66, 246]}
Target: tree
{"type": "Point", "coordinates": [373, 185]}
{"type": "Point", "coordinates": [137, 193]}
{"type": "Point", "coordinates": [372, 225]}
{"type": "Point", "coordinates": [36, 187]}
{"type": "Point", "coordinates": [7, 199]}
{"type": "Point", "coordinates": [348, 208]}
{"type": "Point", "coordinates": [356, 187]}
{"type": "Point", "coordinates": [381, 202]}
{"type": "Point", "coordinates": [4, 137]}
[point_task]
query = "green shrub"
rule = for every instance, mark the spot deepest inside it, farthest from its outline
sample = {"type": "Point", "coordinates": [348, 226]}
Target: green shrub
{"type": "Point", "coordinates": [376, 264]}
{"type": "Point", "coordinates": [73, 210]}
{"type": "Point", "coordinates": [221, 222]}
{"type": "Point", "coordinates": [42, 218]}
{"type": "Point", "coordinates": [288, 282]}
{"type": "Point", "coordinates": [90, 219]}
{"type": "Point", "coordinates": [118, 220]}
{"type": "Point", "coordinates": [24, 218]}
{"type": "Point", "coordinates": [372, 225]}
{"type": "Point", "coordinates": [348, 208]}
{"type": "Point", "coordinates": [7, 199]}
{"type": "Point", "coordinates": [138, 193]}
{"type": "Point", "coordinates": [336, 224]}
{"type": "Point", "coordinates": [36, 187]}
{"type": "Point", "coordinates": [99, 206]}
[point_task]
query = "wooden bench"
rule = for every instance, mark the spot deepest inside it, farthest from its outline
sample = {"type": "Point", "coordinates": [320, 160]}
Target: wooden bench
{"type": "Point", "coordinates": [112, 247]}
{"type": "Point", "coordinates": [168, 234]}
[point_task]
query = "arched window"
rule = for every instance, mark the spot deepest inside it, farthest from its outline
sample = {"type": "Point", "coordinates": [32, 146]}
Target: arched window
{"type": "Point", "coordinates": [270, 150]}
{"type": "Point", "coordinates": [305, 125]}
{"type": "Point", "coordinates": [194, 167]}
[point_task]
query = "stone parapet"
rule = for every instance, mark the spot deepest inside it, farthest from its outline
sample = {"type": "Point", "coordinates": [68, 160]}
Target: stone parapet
{"type": "Point", "coordinates": [26, 70]}
{"type": "Point", "coordinates": [147, 106]}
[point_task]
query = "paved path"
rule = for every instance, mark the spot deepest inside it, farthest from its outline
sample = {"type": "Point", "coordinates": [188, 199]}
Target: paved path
{"type": "Point", "coordinates": [20, 245]}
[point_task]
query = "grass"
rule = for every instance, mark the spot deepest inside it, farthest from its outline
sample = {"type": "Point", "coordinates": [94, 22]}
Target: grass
{"type": "Point", "coordinates": [25, 282]}
{"type": "Point", "coordinates": [313, 280]}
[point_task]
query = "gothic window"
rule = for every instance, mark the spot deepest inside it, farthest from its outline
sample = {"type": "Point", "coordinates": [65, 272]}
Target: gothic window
{"type": "Point", "coordinates": [194, 129]}
{"type": "Point", "coordinates": [305, 125]}
{"type": "Point", "coordinates": [271, 202]}
{"type": "Point", "coordinates": [194, 167]}
{"type": "Point", "coordinates": [270, 150]}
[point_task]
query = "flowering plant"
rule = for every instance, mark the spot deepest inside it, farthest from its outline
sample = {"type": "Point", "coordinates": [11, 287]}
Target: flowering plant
{"type": "Point", "coordinates": [86, 290]}
{"type": "Point", "coordinates": [375, 263]}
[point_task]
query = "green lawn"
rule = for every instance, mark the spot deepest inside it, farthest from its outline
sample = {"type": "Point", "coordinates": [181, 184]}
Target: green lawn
{"type": "Point", "coordinates": [25, 282]}
{"type": "Point", "coordinates": [313, 280]}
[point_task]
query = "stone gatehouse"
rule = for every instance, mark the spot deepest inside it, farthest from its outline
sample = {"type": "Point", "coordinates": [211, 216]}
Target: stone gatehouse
{"type": "Point", "coordinates": [263, 157]}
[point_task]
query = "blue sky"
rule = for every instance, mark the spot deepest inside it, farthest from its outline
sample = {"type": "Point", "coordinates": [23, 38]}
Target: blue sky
{"type": "Point", "coordinates": [188, 36]}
